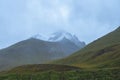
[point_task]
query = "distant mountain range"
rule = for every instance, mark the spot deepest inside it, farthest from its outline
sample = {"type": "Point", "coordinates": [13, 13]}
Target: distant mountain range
{"type": "Point", "coordinates": [38, 49]}
{"type": "Point", "coordinates": [102, 53]}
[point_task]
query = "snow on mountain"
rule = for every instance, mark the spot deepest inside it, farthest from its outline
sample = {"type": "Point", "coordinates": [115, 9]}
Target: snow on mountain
{"type": "Point", "coordinates": [59, 36]}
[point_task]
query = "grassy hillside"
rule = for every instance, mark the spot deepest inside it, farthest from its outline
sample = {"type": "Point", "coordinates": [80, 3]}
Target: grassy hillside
{"type": "Point", "coordinates": [34, 68]}
{"type": "Point", "coordinates": [102, 53]}
{"type": "Point", "coordinates": [58, 72]}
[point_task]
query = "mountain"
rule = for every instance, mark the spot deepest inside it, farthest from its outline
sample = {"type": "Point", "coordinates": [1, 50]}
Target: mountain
{"type": "Point", "coordinates": [102, 53]}
{"type": "Point", "coordinates": [36, 51]}
{"type": "Point", "coordinates": [59, 36]}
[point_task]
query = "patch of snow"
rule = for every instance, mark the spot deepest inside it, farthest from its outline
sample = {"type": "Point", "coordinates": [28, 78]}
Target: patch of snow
{"type": "Point", "coordinates": [60, 35]}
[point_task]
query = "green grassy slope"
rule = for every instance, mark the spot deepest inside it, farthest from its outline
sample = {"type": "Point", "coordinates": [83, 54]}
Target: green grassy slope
{"type": "Point", "coordinates": [104, 53]}
{"type": "Point", "coordinates": [58, 72]}
{"type": "Point", "coordinates": [34, 68]}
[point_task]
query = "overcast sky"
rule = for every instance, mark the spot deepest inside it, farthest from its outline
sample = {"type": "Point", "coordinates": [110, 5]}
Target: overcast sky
{"type": "Point", "coordinates": [88, 19]}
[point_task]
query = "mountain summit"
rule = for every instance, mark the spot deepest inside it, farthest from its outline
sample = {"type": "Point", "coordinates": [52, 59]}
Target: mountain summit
{"type": "Point", "coordinates": [59, 36]}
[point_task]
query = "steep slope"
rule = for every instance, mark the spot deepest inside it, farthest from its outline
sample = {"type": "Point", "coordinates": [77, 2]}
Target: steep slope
{"type": "Point", "coordinates": [104, 53]}
{"type": "Point", "coordinates": [35, 51]}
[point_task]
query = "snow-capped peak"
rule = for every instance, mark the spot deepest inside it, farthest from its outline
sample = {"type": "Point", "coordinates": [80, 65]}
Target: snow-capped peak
{"type": "Point", "coordinates": [59, 36]}
{"type": "Point", "coordinates": [40, 37]}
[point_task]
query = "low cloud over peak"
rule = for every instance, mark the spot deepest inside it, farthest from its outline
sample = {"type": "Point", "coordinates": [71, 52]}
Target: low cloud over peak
{"type": "Point", "coordinates": [88, 19]}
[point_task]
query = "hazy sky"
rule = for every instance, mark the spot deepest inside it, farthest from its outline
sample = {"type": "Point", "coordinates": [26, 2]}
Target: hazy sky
{"type": "Point", "coordinates": [88, 19]}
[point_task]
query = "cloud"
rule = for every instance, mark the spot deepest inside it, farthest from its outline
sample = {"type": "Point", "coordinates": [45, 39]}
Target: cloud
{"type": "Point", "coordinates": [48, 11]}
{"type": "Point", "coordinates": [88, 19]}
